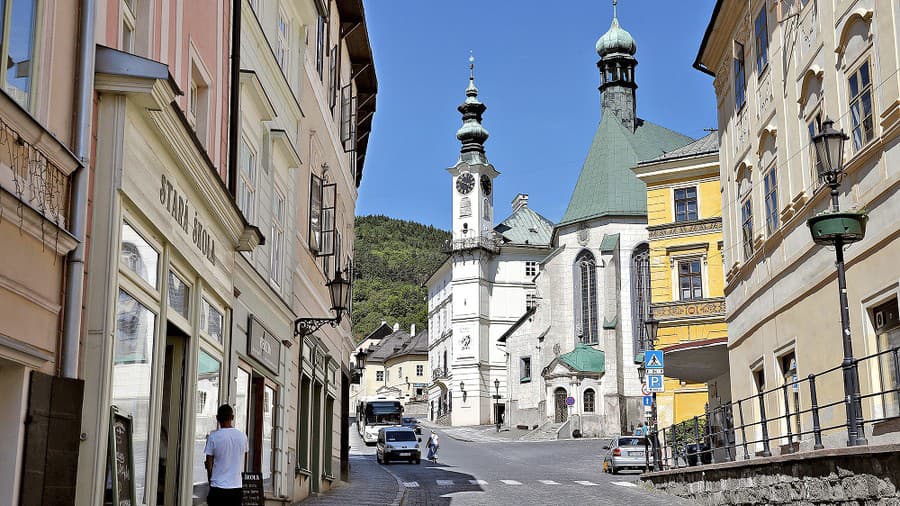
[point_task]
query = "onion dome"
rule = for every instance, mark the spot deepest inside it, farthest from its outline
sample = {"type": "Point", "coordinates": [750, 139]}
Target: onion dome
{"type": "Point", "coordinates": [472, 134]}
{"type": "Point", "coordinates": [616, 40]}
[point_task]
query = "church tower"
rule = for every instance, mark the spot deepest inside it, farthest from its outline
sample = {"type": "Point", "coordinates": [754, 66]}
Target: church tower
{"type": "Point", "coordinates": [616, 49]}
{"type": "Point", "coordinates": [473, 251]}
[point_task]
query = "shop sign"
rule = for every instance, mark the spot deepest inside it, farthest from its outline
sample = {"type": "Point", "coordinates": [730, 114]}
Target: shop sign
{"type": "Point", "coordinates": [179, 208]}
{"type": "Point", "coordinates": [263, 346]}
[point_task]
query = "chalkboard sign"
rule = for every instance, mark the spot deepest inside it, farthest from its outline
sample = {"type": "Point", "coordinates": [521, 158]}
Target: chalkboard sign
{"type": "Point", "coordinates": [252, 495]}
{"type": "Point", "coordinates": [121, 457]}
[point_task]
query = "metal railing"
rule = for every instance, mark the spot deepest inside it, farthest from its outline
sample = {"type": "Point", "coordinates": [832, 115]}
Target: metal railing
{"type": "Point", "coordinates": [809, 417]}
{"type": "Point", "coordinates": [486, 242]}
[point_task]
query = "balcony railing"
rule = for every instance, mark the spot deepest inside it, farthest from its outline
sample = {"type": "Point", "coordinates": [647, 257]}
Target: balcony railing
{"type": "Point", "coordinates": [438, 373]}
{"type": "Point", "coordinates": [485, 242]}
{"type": "Point", "coordinates": [809, 417]}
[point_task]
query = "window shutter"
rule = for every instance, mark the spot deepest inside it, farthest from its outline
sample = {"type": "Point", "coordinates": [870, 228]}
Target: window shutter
{"type": "Point", "coordinates": [315, 213]}
{"type": "Point", "coordinates": [326, 246]}
{"type": "Point", "coordinates": [346, 115]}
{"type": "Point", "coordinates": [333, 77]}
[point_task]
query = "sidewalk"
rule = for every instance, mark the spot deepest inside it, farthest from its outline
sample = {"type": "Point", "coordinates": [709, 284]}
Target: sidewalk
{"type": "Point", "coordinates": [477, 433]}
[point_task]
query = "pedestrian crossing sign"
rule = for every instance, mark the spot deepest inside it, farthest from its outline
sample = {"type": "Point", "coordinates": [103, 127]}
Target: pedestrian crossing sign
{"type": "Point", "coordinates": [653, 359]}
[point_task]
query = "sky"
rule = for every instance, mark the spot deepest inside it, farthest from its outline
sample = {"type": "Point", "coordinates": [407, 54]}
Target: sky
{"type": "Point", "coordinates": [535, 68]}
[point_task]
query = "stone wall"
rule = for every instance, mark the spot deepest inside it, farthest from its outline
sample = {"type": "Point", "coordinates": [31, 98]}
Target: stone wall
{"type": "Point", "coordinates": [866, 475]}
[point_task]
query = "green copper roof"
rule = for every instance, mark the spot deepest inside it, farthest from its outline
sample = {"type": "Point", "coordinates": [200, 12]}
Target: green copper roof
{"type": "Point", "coordinates": [585, 359]}
{"type": "Point", "coordinates": [609, 242]}
{"type": "Point", "coordinates": [606, 186]}
{"type": "Point", "coordinates": [616, 40]}
{"type": "Point", "coordinates": [525, 226]}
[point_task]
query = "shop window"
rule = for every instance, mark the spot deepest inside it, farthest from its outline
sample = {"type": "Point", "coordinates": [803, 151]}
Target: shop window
{"type": "Point", "coordinates": [686, 204]}
{"type": "Point", "coordinates": [17, 34]}
{"type": "Point", "coordinates": [179, 295]}
{"type": "Point", "coordinates": [247, 181]}
{"type": "Point", "coordinates": [770, 183]}
{"type": "Point", "coordinates": [690, 279]}
{"type": "Point", "coordinates": [132, 368]}
{"type": "Point", "coordinates": [212, 321]}
{"type": "Point", "coordinates": [860, 87]}
{"type": "Point", "coordinates": [209, 371]}
{"type": "Point", "coordinates": [524, 369]}
{"type": "Point", "coordinates": [762, 40]}
{"type": "Point", "coordinates": [268, 439]}
{"type": "Point", "coordinates": [740, 78]}
{"type": "Point", "coordinates": [138, 256]}
{"type": "Point", "coordinates": [420, 370]}
{"type": "Point", "coordinates": [885, 320]}
{"type": "Point", "coordinates": [531, 268]}
{"type": "Point", "coordinates": [277, 237]}
{"type": "Point", "coordinates": [589, 400]}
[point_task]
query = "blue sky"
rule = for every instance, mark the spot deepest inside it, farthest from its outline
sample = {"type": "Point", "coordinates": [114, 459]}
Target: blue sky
{"type": "Point", "coordinates": [536, 72]}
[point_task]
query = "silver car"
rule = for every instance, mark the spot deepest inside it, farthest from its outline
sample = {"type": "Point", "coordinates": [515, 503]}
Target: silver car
{"type": "Point", "coordinates": [397, 443]}
{"type": "Point", "coordinates": [627, 452]}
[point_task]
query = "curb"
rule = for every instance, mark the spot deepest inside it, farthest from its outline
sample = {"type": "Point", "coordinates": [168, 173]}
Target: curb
{"type": "Point", "coordinates": [401, 490]}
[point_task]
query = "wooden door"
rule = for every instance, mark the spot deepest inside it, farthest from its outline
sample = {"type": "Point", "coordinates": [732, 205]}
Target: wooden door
{"type": "Point", "coordinates": [562, 411]}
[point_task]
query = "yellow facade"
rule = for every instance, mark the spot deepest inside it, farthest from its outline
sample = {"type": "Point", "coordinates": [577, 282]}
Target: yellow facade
{"type": "Point", "coordinates": [685, 249]}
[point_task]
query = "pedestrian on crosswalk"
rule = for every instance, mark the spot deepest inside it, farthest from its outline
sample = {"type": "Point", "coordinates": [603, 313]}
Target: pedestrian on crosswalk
{"type": "Point", "coordinates": [433, 445]}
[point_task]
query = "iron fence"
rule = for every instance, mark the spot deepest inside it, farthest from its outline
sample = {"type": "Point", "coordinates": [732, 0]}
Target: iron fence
{"type": "Point", "coordinates": [808, 417]}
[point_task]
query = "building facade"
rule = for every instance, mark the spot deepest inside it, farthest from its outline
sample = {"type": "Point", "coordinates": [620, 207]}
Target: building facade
{"type": "Point", "coordinates": [780, 69]}
{"type": "Point", "coordinates": [593, 290]}
{"type": "Point", "coordinates": [42, 124]}
{"type": "Point", "coordinates": [684, 222]}
{"type": "Point", "coordinates": [483, 286]}
{"type": "Point", "coordinates": [396, 366]}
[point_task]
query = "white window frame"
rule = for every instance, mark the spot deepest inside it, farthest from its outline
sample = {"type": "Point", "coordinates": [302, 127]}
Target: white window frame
{"type": "Point", "coordinates": [676, 260]}
{"type": "Point", "coordinates": [854, 71]}
{"type": "Point", "coordinates": [34, 68]}
{"type": "Point", "coordinates": [247, 181]}
{"type": "Point", "coordinates": [283, 42]}
{"type": "Point", "coordinates": [675, 202]}
{"type": "Point", "coordinates": [129, 27]}
{"type": "Point", "coordinates": [276, 264]}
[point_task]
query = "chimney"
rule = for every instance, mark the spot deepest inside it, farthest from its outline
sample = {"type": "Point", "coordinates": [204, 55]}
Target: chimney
{"type": "Point", "coordinates": [396, 327]}
{"type": "Point", "coordinates": [412, 329]}
{"type": "Point", "coordinates": [520, 201]}
{"type": "Point", "coordinates": [384, 322]}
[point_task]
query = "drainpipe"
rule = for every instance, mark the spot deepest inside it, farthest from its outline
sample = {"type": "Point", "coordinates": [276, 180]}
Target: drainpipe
{"type": "Point", "coordinates": [84, 100]}
{"type": "Point", "coordinates": [234, 99]}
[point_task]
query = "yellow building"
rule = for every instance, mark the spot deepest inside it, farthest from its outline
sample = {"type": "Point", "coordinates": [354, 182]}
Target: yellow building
{"type": "Point", "coordinates": [684, 216]}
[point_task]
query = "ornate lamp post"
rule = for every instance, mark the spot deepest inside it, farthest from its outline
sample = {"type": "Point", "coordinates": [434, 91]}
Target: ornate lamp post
{"type": "Point", "coordinates": [360, 366]}
{"type": "Point", "coordinates": [339, 289]}
{"type": "Point", "coordinates": [652, 325]}
{"type": "Point", "coordinates": [497, 403]}
{"type": "Point", "coordinates": [836, 228]}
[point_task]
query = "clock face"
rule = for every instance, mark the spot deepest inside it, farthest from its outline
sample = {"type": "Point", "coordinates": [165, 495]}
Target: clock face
{"type": "Point", "coordinates": [486, 184]}
{"type": "Point", "coordinates": [465, 182]}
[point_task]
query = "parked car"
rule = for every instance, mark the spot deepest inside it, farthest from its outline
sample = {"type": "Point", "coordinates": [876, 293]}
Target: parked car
{"type": "Point", "coordinates": [412, 423]}
{"type": "Point", "coordinates": [397, 443]}
{"type": "Point", "coordinates": [626, 452]}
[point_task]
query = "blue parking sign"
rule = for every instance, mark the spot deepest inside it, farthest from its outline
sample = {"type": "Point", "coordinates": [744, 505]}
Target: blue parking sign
{"type": "Point", "coordinates": [655, 383]}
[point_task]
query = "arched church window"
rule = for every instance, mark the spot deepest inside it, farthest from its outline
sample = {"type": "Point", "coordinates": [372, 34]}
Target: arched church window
{"type": "Point", "coordinates": [589, 400]}
{"type": "Point", "coordinates": [640, 296]}
{"type": "Point", "coordinates": [586, 297]}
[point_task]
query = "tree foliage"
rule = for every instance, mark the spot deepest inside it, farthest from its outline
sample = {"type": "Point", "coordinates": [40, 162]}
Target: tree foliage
{"type": "Point", "coordinates": [392, 259]}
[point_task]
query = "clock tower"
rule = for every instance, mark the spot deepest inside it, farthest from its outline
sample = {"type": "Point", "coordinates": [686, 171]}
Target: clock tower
{"type": "Point", "coordinates": [475, 363]}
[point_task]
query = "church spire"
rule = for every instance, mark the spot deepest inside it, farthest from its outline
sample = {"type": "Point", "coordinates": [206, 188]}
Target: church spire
{"type": "Point", "coordinates": [472, 134]}
{"type": "Point", "coordinates": [616, 49]}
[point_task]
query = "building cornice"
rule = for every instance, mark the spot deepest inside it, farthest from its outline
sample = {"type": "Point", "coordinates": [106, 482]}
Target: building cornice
{"type": "Point", "coordinates": [685, 228]}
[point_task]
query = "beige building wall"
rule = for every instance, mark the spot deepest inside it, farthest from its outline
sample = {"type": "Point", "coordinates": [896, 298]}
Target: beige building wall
{"type": "Point", "coordinates": [781, 289]}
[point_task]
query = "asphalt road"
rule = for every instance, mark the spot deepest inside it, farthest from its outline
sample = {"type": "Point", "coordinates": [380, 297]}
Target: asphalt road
{"type": "Point", "coordinates": [517, 473]}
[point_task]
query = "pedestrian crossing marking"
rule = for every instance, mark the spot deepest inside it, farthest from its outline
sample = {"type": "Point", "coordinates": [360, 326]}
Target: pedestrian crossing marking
{"type": "Point", "coordinates": [548, 482]}
{"type": "Point", "coordinates": [445, 483]}
{"type": "Point", "coordinates": [477, 482]}
{"type": "Point", "coordinates": [510, 482]}
{"type": "Point", "coordinates": [624, 484]}
{"type": "Point", "coordinates": [411, 484]}
{"type": "Point", "coordinates": [586, 483]}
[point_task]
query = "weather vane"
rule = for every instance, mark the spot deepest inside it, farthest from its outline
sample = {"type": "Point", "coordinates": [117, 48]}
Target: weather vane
{"type": "Point", "coordinates": [471, 65]}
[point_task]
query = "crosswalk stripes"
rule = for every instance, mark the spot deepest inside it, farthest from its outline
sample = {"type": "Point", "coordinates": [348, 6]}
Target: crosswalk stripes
{"type": "Point", "coordinates": [411, 484]}
{"type": "Point", "coordinates": [586, 483]}
{"type": "Point", "coordinates": [477, 482]}
{"type": "Point", "coordinates": [548, 482]}
{"type": "Point", "coordinates": [510, 482]}
{"type": "Point", "coordinates": [624, 484]}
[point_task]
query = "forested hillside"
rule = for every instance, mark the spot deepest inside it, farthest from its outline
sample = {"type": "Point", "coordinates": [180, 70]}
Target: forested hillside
{"type": "Point", "coordinates": [392, 259]}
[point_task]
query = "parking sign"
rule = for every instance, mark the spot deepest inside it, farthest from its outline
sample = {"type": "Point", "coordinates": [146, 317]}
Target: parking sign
{"type": "Point", "coordinates": [655, 383]}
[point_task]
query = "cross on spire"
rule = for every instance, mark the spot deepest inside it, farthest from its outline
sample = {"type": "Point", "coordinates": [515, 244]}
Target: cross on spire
{"type": "Point", "coordinates": [471, 66]}
{"type": "Point", "coordinates": [614, 8]}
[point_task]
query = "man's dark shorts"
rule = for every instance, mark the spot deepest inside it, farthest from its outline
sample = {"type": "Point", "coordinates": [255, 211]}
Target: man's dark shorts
{"type": "Point", "coordinates": [224, 497]}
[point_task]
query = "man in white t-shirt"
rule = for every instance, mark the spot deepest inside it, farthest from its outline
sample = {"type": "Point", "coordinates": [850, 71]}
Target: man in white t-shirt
{"type": "Point", "coordinates": [225, 455]}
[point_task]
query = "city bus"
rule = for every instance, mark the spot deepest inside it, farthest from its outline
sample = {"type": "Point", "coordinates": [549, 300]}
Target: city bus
{"type": "Point", "coordinates": [373, 413]}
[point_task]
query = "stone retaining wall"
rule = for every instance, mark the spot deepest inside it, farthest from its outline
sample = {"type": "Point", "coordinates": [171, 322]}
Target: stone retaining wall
{"type": "Point", "coordinates": [860, 476]}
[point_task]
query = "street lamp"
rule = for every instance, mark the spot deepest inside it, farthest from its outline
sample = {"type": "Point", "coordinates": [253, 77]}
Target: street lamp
{"type": "Point", "coordinates": [360, 365]}
{"type": "Point", "coordinates": [652, 326]}
{"type": "Point", "coordinates": [836, 228]}
{"type": "Point", "coordinates": [462, 388]}
{"type": "Point", "coordinates": [497, 403]}
{"type": "Point", "coordinates": [339, 290]}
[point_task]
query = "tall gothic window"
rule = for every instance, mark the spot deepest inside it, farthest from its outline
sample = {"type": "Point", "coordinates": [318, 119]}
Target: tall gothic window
{"type": "Point", "coordinates": [586, 297]}
{"type": "Point", "coordinates": [640, 295]}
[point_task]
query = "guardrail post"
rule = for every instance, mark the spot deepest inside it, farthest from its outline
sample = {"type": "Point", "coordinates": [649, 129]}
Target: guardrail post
{"type": "Point", "coordinates": [743, 429]}
{"type": "Point", "coordinates": [709, 437]}
{"type": "Point", "coordinates": [767, 452]}
{"type": "Point", "coordinates": [787, 418]}
{"type": "Point", "coordinates": [817, 427]}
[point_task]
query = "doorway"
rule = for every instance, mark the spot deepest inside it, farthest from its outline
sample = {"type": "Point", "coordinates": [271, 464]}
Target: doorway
{"type": "Point", "coordinates": [562, 411]}
{"type": "Point", "coordinates": [170, 433]}
{"type": "Point", "coordinates": [260, 430]}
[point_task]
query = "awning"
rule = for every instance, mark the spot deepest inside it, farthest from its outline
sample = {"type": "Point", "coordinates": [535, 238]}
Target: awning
{"type": "Point", "coordinates": [697, 361]}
